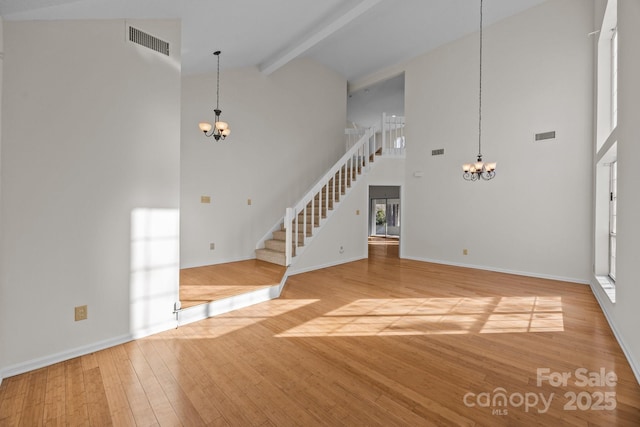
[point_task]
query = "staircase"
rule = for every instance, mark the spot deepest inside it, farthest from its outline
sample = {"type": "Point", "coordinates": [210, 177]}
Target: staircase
{"type": "Point", "coordinates": [274, 250]}
{"type": "Point", "coordinates": [288, 238]}
{"type": "Point", "coordinates": [303, 221]}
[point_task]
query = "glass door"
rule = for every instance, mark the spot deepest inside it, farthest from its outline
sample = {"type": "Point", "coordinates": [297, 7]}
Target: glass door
{"type": "Point", "coordinates": [393, 218]}
{"type": "Point", "coordinates": [385, 218]}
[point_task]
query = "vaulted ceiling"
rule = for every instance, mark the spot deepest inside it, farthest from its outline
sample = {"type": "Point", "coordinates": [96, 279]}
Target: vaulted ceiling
{"type": "Point", "coordinates": [353, 37]}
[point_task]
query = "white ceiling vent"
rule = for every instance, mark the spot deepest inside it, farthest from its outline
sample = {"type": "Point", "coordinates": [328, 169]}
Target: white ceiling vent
{"type": "Point", "coordinates": [147, 40]}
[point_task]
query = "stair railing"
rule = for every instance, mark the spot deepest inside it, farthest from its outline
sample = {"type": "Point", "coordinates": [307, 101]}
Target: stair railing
{"type": "Point", "coordinates": [352, 136]}
{"type": "Point", "coordinates": [339, 176]}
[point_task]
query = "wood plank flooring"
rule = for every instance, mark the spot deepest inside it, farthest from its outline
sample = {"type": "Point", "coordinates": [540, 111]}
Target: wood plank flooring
{"type": "Point", "coordinates": [386, 247]}
{"type": "Point", "coordinates": [200, 285]}
{"type": "Point", "coordinates": [379, 342]}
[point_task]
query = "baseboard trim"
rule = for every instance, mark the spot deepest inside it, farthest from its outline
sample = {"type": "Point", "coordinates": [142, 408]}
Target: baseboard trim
{"type": "Point", "coordinates": [220, 261]}
{"type": "Point", "coordinates": [41, 362]}
{"type": "Point", "coordinates": [327, 265]}
{"type": "Point", "coordinates": [605, 309]}
{"type": "Point", "coordinates": [156, 329]}
{"type": "Point", "coordinates": [502, 270]}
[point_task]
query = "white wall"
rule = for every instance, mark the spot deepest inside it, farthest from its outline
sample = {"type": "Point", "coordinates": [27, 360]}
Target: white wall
{"type": "Point", "coordinates": [534, 216]}
{"type": "Point", "coordinates": [287, 129]}
{"type": "Point", "coordinates": [624, 315]}
{"type": "Point", "coordinates": [365, 106]}
{"type": "Point", "coordinates": [90, 151]}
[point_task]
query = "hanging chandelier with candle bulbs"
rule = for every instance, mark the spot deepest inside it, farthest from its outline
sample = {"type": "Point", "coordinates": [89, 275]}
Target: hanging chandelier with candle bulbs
{"type": "Point", "coordinates": [219, 130]}
{"type": "Point", "coordinates": [479, 169]}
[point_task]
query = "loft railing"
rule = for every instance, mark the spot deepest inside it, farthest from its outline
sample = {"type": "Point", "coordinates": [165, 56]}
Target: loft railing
{"type": "Point", "coordinates": [388, 136]}
{"type": "Point", "coordinates": [307, 216]}
{"type": "Point", "coordinates": [393, 142]}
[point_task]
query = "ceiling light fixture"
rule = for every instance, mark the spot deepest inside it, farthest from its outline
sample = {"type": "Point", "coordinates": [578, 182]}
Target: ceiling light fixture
{"type": "Point", "coordinates": [479, 169]}
{"type": "Point", "coordinates": [220, 129]}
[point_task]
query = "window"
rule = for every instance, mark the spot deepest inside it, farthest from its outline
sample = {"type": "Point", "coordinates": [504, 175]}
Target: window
{"type": "Point", "coordinates": [614, 78]}
{"type": "Point", "coordinates": [606, 144]}
{"type": "Point", "coordinates": [613, 196]}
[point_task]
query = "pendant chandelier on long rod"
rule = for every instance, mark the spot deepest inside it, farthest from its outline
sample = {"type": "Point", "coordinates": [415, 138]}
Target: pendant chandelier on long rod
{"type": "Point", "coordinates": [220, 129]}
{"type": "Point", "coordinates": [479, 169]}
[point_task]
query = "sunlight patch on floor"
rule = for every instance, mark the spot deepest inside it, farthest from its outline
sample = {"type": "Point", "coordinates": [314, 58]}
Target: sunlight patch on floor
{"type": "Point", "coordinates": [222, 324]}
{"type": "Point", "coordinates": [427, 316]}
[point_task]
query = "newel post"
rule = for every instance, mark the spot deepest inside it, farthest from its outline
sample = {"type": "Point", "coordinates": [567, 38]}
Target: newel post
{"type": "Point", "coordinates": [288, 225]}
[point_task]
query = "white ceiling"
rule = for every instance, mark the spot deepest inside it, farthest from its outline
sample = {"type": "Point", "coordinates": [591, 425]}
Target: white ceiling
{"type": "Point", "coordinates": [353, 37]}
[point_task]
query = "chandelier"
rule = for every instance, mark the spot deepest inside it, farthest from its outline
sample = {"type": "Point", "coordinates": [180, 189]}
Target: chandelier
{"type": "Point", "coordinates": [220, 129]}
{"type": "Point", "coordinates": [479, 169]}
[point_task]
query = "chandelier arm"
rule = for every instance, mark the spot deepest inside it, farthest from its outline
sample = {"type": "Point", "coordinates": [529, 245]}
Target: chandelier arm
{"type": "Point", "coordinates": [488, 175]}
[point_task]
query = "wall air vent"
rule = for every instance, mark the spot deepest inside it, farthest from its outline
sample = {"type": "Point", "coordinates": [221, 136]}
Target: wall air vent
{"type": "Point", "coordinates": [147, 40]}
{"type": "Point", "coordinates": [545, 135]}
{"type": "Point", "coordinates": [438, 152]}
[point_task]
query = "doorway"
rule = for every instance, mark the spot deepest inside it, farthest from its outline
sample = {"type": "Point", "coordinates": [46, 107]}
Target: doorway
{"type": "Point", "coordinates": [384, 220]}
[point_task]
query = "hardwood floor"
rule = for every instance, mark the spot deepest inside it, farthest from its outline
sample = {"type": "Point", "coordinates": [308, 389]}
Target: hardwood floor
{"type": "Point", "coordinates": [385, 247]}
{"type": "Point", "coordinates": [383, 341]}
{"type": "Point", "coordinates": [200, 285]}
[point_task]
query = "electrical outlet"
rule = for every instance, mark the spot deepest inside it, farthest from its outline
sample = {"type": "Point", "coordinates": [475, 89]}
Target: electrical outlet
{"type": "Point", "coordinates": [249, 202]}
{"type": "Point", "coordinates": [81, 312]}
{"type": "Point", "coordinates": [465, 252]}
{"type": "Point", "coordinates": [212, 246]}
{"type": "Point", "coordinates": [205, 199]}
{"type": "Point", "coordinates": [357, 211]}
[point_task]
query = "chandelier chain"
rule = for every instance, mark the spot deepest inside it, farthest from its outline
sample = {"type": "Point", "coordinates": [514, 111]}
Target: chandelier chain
{"type": "Point", "coordinates": [480, 91]}
{"type": "Point", "coordinates": [218, 83]}
{"type": "Point", "coordinates": [220, 129]}
{"type": "Point", "coordinates": [479, 169]}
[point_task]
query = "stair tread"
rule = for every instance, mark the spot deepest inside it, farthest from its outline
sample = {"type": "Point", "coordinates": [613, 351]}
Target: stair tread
{"type": "Point", "coordinates": [269, 250]}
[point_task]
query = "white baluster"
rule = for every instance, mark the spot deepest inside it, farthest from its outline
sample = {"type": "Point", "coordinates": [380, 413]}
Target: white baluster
{"type": "Point", "coordinates": [366, 148]}
{"type": "Point", "coordinates": [384, 132]}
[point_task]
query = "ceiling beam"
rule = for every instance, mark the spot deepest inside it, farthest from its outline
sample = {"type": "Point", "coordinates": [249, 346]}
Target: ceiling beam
{"type": "Point", "coordinates": [316, 37]}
